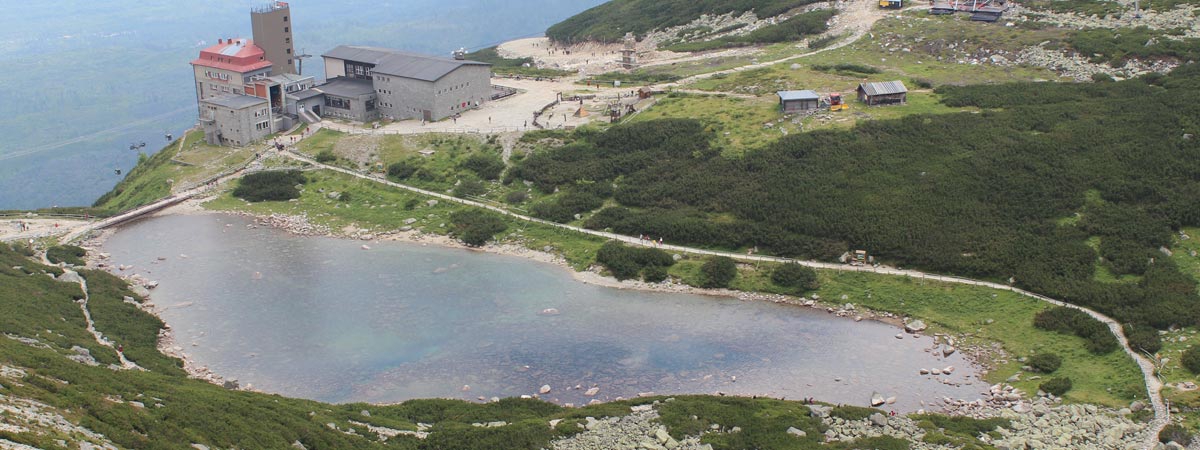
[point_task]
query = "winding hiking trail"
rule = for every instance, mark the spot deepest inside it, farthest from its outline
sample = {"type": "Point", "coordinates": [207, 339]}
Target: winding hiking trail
{"type": "Point", "coordinates": [71, 276]}
{"type": "Point", "coordinates": [854, 17]}
{"type": "Point", "coordinates": [91, 325]}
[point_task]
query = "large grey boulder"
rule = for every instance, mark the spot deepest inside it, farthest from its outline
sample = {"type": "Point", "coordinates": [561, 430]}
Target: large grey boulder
{"type": "Point", "coordinates": [877, 399]}
{"type": "Point", "coordinates": [915, 326]}
{"type": "Point", "coordinates": [878, 420]}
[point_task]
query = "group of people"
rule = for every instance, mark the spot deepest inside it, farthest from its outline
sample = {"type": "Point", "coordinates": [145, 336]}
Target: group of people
{"type": "Point", "coordinates": [644, 237]}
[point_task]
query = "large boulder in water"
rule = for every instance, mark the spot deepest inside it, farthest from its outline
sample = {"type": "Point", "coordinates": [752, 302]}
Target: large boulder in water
{"type": "Point", "coordinates": [877, 399]}
{"type": "Point", "coordinates": [915, 326]}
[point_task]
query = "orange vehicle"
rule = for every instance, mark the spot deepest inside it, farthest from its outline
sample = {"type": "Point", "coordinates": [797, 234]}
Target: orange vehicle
{"type": "Point", "coordinates": [836, 103]}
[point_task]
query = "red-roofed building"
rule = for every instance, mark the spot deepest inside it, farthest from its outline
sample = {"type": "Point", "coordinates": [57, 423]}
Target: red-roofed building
{"type": "Point", "coordinates": [229, 67]}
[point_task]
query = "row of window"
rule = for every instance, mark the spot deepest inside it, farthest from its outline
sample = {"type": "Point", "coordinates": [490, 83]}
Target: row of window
{"type": "Point", "coordinates": [260, 113]}
{"type": "Point", "coordinates": [454, 88]}
{"type": "Point", "coordinates": [357, 70]}
{"type": "Point", "coordinates": [217, 75]}
{"type": "Point", "coordinates": [262, 126]}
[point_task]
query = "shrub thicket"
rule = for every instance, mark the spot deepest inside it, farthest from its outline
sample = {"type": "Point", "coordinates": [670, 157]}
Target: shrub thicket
{"type": "Point", "coordinates": [654, 274]}
{"type": "Point", "coordinates": [1175, 433]}
{"type": "Point", "coordinates": [469, 188]}
{"type": "Point", "coordinates": [627, 262]}
{"type": "Point", "coordinates": [1045, 362]}
{"type": "Point", "coordinates": [487, 166]}
{"type": "Point", "coordinates": [69, 254]}
{"type": "Point", "coordinates": [795, 277]}
{"type": "Point", "coordinates": [402, 170]}
{"type": "Point", "coordinates": [984, 201]}
{"type": "Point", "coordinates": [475, 227]}
{"type": "Point", "coordinates": [564, 208]}
{"type": "Point", "coordinates": [1191, 360]}
{"type": "Point", "coordinates": [1144, 338]}
{"type": "Point", "coordinates": [325, 156]}
{"type": "Point", "coordinates": [516, 197]}
{"type": "Point", "coordinates": [1098, 338]}
{"type": "Point", "coordinates": [1057, 386]}
{"type": "Point", "coordinates": [270, 186]}
{"type": "Point", "coordinates": [1117, 46]}
{"type": "Point", "coordinates": [718, 272]}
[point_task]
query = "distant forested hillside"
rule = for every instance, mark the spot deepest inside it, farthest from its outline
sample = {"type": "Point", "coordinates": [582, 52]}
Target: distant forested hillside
{"type": "Point", "coordinates": [609, 22]}
{"type": "Point", "coordinates": [1068, 189]}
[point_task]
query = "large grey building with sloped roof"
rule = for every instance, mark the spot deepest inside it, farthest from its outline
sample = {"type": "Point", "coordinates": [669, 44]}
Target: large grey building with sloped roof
{"type": "Point", "coordinates": [412, 86]}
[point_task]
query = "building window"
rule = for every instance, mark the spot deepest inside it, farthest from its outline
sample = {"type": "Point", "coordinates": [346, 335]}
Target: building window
{"type": "Point", "coordinates": [339, 103]}
{"type": "Point", "coordinates": [370, 105]}
{"type": "Point", "coordinates": [289, 51]}
{"type": "Point", "coordinates": [286, 29]}
{"type": "Point", "coordinates": [287, 40]}
{"type": "Point", "coordinates": [285, 18]}
{"type": "Point", "coordinates": [261, 126]}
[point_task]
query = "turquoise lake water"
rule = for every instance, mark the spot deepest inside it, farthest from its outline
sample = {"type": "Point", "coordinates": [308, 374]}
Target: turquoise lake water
{"type": "Point", "coordinates": [323, 319]}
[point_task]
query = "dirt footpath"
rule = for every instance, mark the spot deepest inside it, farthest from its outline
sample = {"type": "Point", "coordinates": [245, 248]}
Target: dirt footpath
{"type": "Point", "coordinates": [32, 228]}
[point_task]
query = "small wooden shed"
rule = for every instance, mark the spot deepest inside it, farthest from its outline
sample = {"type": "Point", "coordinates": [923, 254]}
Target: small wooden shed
{"type": "Point", "coordinates": [883, 93]}
{"type": "Point", "coordinates": [795, 101]}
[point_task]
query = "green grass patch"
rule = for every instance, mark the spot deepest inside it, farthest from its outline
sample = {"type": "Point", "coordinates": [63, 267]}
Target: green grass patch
{"type": "Point", "coordinates": [983, 316]}
{"type": "Point", "coordinates": [69, 254]}
{"type": "Point", "coordinates": [739, 123]}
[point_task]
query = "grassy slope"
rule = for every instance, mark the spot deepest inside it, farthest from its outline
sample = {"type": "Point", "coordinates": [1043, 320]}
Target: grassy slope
{"type": "Point", "coordinates": [156, 177]}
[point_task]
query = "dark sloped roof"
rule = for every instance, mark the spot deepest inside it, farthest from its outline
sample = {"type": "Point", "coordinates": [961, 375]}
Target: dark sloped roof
{"type": "Point", "coordinates": [883, 88]}
{"type": "Point", "coordinates": [369, 55]}
{"type": "Point", "coordinates": [235, 101]}
{"type": "Point", "coordinates": [305, 94]}
{"type": "Point", "coordinates": [401, 64]}
{"type": "Point", "coordinates": [346, 87]}
{"type": "Point", "coordinates": [798, 95]}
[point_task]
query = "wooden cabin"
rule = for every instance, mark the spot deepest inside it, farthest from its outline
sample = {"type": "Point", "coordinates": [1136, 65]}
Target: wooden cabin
{"type": "Point", "coordinates": [883, 93]}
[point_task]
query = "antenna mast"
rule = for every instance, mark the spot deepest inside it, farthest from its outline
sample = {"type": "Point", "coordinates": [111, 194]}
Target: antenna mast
{"type": "Point", "coordinates": [300, 57]}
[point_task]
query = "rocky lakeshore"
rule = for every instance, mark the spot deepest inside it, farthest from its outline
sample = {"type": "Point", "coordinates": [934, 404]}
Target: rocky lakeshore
{"type": "Point", "coordinates": [1044, 425]}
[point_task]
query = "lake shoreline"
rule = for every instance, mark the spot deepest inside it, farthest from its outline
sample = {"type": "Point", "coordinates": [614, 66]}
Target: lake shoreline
{"type": "Point", "coordinates": [299, 226]}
